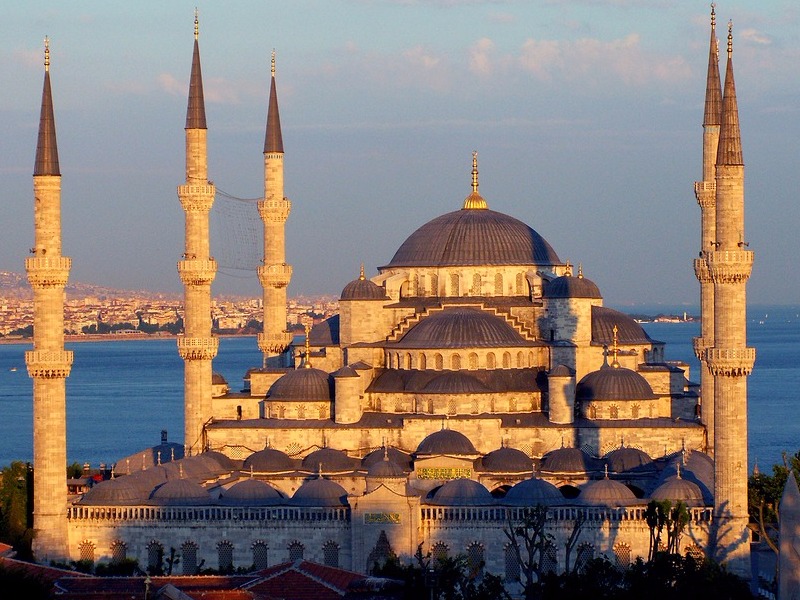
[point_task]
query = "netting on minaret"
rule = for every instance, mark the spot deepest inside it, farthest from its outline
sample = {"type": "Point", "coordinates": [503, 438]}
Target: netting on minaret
{"type": "Point", "coordinates": [236, 234]}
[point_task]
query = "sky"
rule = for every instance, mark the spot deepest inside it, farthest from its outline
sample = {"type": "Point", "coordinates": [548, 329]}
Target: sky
{"type": "Point", "coordinates": [586, 115]}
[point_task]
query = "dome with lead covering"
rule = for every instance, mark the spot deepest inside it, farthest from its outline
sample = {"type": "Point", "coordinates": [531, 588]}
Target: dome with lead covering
{"type": "Point", "coordinates": [677, 489]}
{"type": "Point", "coordinates": [455, 382]}
{"type": "Point", "coordinates": [568, 286]}
{"type": "Point", "coordinates": [507, 460]}
{"type": "Point", "coordinates": [462, 492]}
{"type": "Point", "coordinates": [396, 456]}
{"type": "Point", "coordinates": [613, 383]}
{"type": "Point", "coordinates": [568, 460]}
{"type": "Point", "coordinates": [330, 460]}
{"type": "Point", "coordinates": [474, 237]}
{"type": "Point", "coordinates": [628, 330]}
{"type": "Point", "coordinates": [269, 460]}
{"type": "Point", "coordinates": [461, 328]}
{"type": "Point", "coordinates": [363, 289]}
{"type": "Point", "coordinates": [627, 460]}
{"type": "Point", "coordinates": [446, 441]}
{"type": "Point", "coordinates": [606, 492]}
{"type": "Point", "coordinates": [180, 492]}
{"type": "Point", "coordinates": [385, 469]}
{"type": "Point", "coordinates": [251, 492]}
{"type": "Point", "coordinates": [115, 492]}
{"type": "Point", "coordinates": [319, 492]}
{"type": "Point", "coordinates": [310, 385]}
{"type": "Point", "coordinates": [532, 492]}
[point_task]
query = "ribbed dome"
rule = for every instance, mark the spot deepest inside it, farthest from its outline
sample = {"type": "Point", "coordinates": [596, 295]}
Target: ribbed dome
{"type": "Point", "coordinates": [606, 492]}
{"type": "Point", "coordinates": [507, 460]}
{"type": "Point", "coordinates": [115, 492]}
{"type": "Point", "coordinates": [311, 385]}
{"type": "Point", "coordinates": [363, 289]}
{"type": "Point", "coordinates": [251, 492]}
{"type": "Point", "coordinates": [531, 492]}
{"type": "Point", "coordinates": [613, 383]}
{"type": "Point", "coordinates": [218, 379]}
{"type": "Point", "coordinates": [628, 330]}
{"type": "Point", "coordinates": [330, 460]}
{"type": "Point", "coordinates": [626, 460]}
{"type": "Point", "coordinates": [568, 460]}
{"type": "Point", "coordinates": [385, 469]}
{"type": "Point", "coordinates": [180, 492]}
{"type": "Point", "coordinates": [396, 456]}
{"type": "Point", "coordinates": [461, 328]}
{"type": "Point", "coordinates": [462, 492]}
{"type": "Point", "coordinates": [455, 382]}
{"type": "Point", "coordinates": [269, 460]}
{"type": "Point", "coordinates": [319, 492]}
{"type": "Point", "coordinates": [561, 371]}
{"type": "Point", "coordinates": [568, 286]}
{"type": "Point", "coordinates": [677, 489]}
{"type": "Point", "coordinates": [446, 441]}
{"type": "Point", "coordinates": [474, 237]}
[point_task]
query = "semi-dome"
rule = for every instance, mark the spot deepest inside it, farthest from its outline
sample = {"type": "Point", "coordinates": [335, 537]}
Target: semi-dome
{"type": "Point", "coordinates": [319, 492]}
{"type": "Point", "coordinates": [568, 286]}
{"type": "Point", "coordinates": [251, 492]}
{"type": "Point", "coordinates": [446, 441]}
{"type": "Point", "coordinates": [606, 492]}
{"type": "Point", "coordinates": [628, 330]}
{"type": "Point", "coordinates": [677, 489]}
{"type": "Point", "coordinates": [532, 492]}
{"type": "Point", "coordinates": [474, 237]}
{"type": "Point", "coordinates": [306, 384]}
{"type": "Point", "coordinates": [507, 460]}
{"type": "Point", "coordinates": [180, 492]}
{"type": "Point", "coordinates": [627, 460]}
{"type": "Point", "coordinates": [462, 492]}
{"type": "Point", "coordinates": [461, 328]}
{"type": "Point", "coordinates": [568, 460]}
{"type": "Point", "coordinates": [613, 383]}
{"type": "Point", "coordinates": [269, 460]}
{"type": "Point", "coordinates": [363, 289]}
{"type": "Point", "coordinates": [455, 382]}
{"type": "Point", "coordinates": [330, 460]}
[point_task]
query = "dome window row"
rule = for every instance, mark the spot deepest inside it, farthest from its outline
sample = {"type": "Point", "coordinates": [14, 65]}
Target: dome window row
{"type": "Point", "coordinates": [456, 361]}
{"type": "Point", "coordinates": [483, 283]}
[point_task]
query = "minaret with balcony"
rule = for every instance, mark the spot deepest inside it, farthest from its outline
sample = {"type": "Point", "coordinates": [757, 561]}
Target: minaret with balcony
{"type": "Point", "coordinates": [197, 347]}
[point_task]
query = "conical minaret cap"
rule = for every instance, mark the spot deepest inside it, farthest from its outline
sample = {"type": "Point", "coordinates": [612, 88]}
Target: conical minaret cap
{"type": "Point", "coordinates": [729, 151]}
{"type": "Point", "coordinates": [713, 86]}
{"type": "Point", "coordinates": [196, 110]}
{"type": "Point", "coordinates": [46, 147]}
{"type": "Point", "coordinates": [273, 140]}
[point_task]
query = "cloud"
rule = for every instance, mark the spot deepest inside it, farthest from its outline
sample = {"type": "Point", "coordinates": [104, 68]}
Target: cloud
{"type": "Point", "coordinates": [755, 36]}
{"type": "Point", "coordinates": [501, 17]}
{"type": "Point", "coordinates": [417, 56]}
{"type": "Point", "coordinates": [168, 83]}
{"type": "Point", "coordinates": [216, 90]}
{"type": "Point", "coordinates": [28, 58]}
{"type": "Point", "coordinates": [480, 61]}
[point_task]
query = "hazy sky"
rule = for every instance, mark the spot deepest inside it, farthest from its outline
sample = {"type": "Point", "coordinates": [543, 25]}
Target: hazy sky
{"type": "Point", "coordinates": [586, 116]}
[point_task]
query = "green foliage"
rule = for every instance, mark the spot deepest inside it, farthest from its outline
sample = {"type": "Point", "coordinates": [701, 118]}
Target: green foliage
{"type": "Point", "coordinates": [764, 496]}
{"type": "Point", "coordinates": [74, 471]}
{"type": "Point", "coordinates": [127, 567]}
{"type": "Point", "coordinates": [14, 508]}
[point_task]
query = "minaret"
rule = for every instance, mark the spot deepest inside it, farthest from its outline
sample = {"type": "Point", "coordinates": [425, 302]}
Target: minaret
{"type": "Point", "coordinates": [48, 363]}
{"type": "Point", "coordinates": [730, 360]}
{"type": "Point", "coordinates": [705, 192]}
{"type": "Point", "coordinates": [274, 209]}
{"type": "Point", "coordinates": [197, 347]}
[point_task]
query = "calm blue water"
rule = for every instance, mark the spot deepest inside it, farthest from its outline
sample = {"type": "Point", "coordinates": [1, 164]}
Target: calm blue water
{"type": "Point", "coordinates": [122, 394]}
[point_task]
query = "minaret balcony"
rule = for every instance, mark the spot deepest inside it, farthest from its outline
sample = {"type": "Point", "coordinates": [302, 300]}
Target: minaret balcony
{"type": "Point", "coordinates": [274, 343]}
{"type": "Point", "coordinates": [706, 193]}
{"type": "Point", "coordinates": [730, 266]}
{"type": "Point", "coordinates": [274, 211]}
{"type": "Point", "coordinates": [730, 362]}
{"type": "Point", "coordinates": [49, 364]}
{"type": "Point", "coordinates": [276, 276]}
{"type": "Point", "coordinates": [47, 272]}
{"type": "Point", "coordinates": [197, 272]}
{"type": "Point", "coordinates": [700, 345]}
{"type": "Point", "coordinates": [196, 198]}
{"type": "Point", "coordinates": [701, 270]}
{"type": "Point", "coordinates": [197, 348]}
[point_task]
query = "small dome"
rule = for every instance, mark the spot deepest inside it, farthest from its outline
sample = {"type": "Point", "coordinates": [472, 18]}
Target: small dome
{"type": "Point", "coordinates": [606, 492]}
{"type": "Point", "coordinates": [568, 286]}
{"type": "Point", "coordinates": [613, 383]}
{"type": "Point", "coordinates": [269, 460]}
{"type": "Point", "coordinates": [446, 441]}
{"type": "Point", "coordinates": [698, 468]}
{"type": "Point", "coordinates": [561, 371]}
{"type": "Point", "coordinates": [115, 492]}
{"type": "Point", "coordinates": [330, 460]}
{"type": "Point", "coordinates": [462, 492]}
{"type": "Point", "coordinates": [251, 492]}
{"type": "Point", "coordinates": [568, 460]}
{"type": "Point", "coordinates": [677, 489]}
{"type": "Point", "coordinates": [461, 328]}
{"type": "Point", "coordinates": [507, 460]}
{"type": "Point", "coordinates": [363, 289]}
{"type": "Point", "coordinates": [385, 469]}
{"type": "Point", "coordinates": [628, 460]}
{"type": "Point", "coordinates": [218, 379]}
{"type": "Point", "coordinates": [628, 330]}
{"type": "Point", "coordinates": [455, 382]}
{"type": "Point", "coordinates": [531, 492]}
{"type": "Point", "coordinates": [180, 492]}
{"type": "Point", "coordinates": [319, 492]}
{"type": "Point", "coordinates": [396, 456]}
{"type": "Point", "coordinates": [310, 385]}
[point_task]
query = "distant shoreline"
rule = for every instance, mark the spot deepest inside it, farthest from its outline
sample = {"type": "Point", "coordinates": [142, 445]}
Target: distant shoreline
{"type": "Point", "coordinates": [112, 337]}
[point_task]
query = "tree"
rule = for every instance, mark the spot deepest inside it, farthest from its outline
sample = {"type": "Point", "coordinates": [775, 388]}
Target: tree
{"type": "Point", "coordinates": [577, 527]}
{"type": "Point", "coordinates": [529, 540]}
{"type": "Point", "coordinates": [14, 508]}
{"type": "Point", "coordinates": [656, 516]}
{"type": "Point", "coordinates": [676, 521]}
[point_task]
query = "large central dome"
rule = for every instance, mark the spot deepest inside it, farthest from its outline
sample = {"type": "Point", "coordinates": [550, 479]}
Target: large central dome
{"type": "Point", "coordinates": [474, 237]}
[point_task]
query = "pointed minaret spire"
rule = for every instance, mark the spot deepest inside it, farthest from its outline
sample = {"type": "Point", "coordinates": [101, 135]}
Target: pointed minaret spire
{"type": "Point", "coordinates": [273, 140]}
{"type": "Point", "coordinates": [46, 148]}
{"type": "Point", "coordinates": [713, 86]}
{"type": "Point", "coordinates": [729, 151]}
{"type": "Point", "coordinates": [196, 110]}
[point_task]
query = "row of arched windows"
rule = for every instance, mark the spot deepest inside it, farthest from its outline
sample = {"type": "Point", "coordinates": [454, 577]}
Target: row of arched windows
{"type": "Point", "coordinates": [455, 361]}
{"type": "Point", "coordinates": [455, 285]}
{"type": "Point", "coordinates": [597, 410]}
{"type": "Point", "coordinates": [453, 406]}
{"type": "Point", "coordinates": [475, 554]}
{"type": "Point", "coordinates": [298, 411]}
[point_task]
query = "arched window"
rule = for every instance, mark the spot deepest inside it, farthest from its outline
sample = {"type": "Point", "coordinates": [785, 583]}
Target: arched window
{"type": "Point", "coordinates": [512, 405]}
{"type": "Point", "coordinates": [301, 412]}
{"type": "Point", "coordinates": [421, 290]}
{"type": "Point", "coordinates": [430, 406]}
{"type": "Point", "coordinates": [614, 411]}
{"type": "Point", "coordinates": [189, 558]}
{"type": "Point", "coordinates": [694, 552]}
{"type": "Point", "coordinates": [454, 285]}
{"type": "Point", "coordinates": [323, 412]}
{"type": "Point", "coordinates": [476, 284]}
{"type": "Point", "coordinates": [409, 363]}
{"type": "Point", "coordinates": [330, 554]}
{"type": "Point", "coordinates": [498, 284]}
{"type": "Point", "coordinates": [438, 362]}
{"type": "Point", "coordinates": [423, 363]}
{"type": "Point", "coordinates": [416, 289]}
{"type": "Point", "coordinates": [296, 551]}
{"type": "Point", "coordinates": [475, 406]}
{"type": "Point", "coordinates": [381, 553]}
{"type": "Point", "coordinates": [622, 556]}
{"type": "Point", "coordinates": [260, 555]}
{"type": "Point", "coordinates": [475, 560]}
{"type": "Point", "coordinates": [512, 564]}
{"type": "Point", "coordinates": [86, 549]}
{"type": "Point", "coordinates": [635, 411]}
{"type": "Point", "coordinates": [592, 411]}
{"type": "Point", "coordinates": [434, 284]}
{"type": "Point", "coordinates": [439, 552]}
{"type": "Point", "coordinates": [225, 556]}
{"type": "Point", "coordinates": [451, 406]}
{"type": "Point", "coordinates": [473, 361]}
{"type": "Point", "coordinates": [584, 554]}
{"type": "Point", "coordinates": [520, 359]}
{"type": "Point", "coordinates": [119, 552]}
{"type": "Point", "coordinates": [520, 283]}
{"type": "Point", "coordinates": [281, 412]}
{"type": "Point", "coordinates": [550, 559]}
{"type": "Point", "coordinates": [455, 362]}
{"type": "Point", "coordinates": [531, 359]}
{"type": "Point", "coordinates": [155, 556]}
{"type": "Point", "coordinates": [398, 405]}
{"type": "Point", "coordinates": [491, 361]}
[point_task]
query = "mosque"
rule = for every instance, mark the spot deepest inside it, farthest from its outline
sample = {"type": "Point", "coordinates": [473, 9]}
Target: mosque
{"type": "Point", "coordinates": [474, 376]}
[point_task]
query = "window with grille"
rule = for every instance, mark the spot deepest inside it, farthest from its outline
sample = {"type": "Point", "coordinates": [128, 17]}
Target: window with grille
{"type": "Point", "coordinates": [260, 556]}
{"type": "Point", "coordinates": [155, 555]}
{"type": "Point", "coordinates": [439, 552]}
{"type": "Point", "coordinates": [520, 359]}
{"type": "Point", "coordinates": [475, 560]}
{"type": "Point", "coordinates": [476, 284]}
{"type": "Point", "coordinates": [498, 284]}
{"type": "Point", "coordinates": [550, 559]}
{"type": "Point", "coordinates": [435, 285]}
{"type": "Point", "coordinates": [119, 552]}
{"type": "Point", "coordinates": [454, 285]}
{"type": "Point", "coordinates": [635, 411]}
{"type": "Point", "coordinates": [189, 558]}
{"type": "Point", "coordinates": [409, 364]}
{"type": "Point", "coordinates": [584, 554]}
{"type": "Point", "coordinates": [614, 410]}
{"type": "Point", "coordinates": [438, 361]}
{"type": "Point", "coordinates": [473, 361]}
{"type": "Point", "coordinates": [455, 362]}
{"type": "Point", "coordinates": [451, 406]}
{"type": "Point", "coordinates": [301, 412]}
{"type": "Point", "coordinates": [86, 551]}
{"type": "Point", "coordinates": [520, 289]}
{"type": "Point", "coordinates": [622, 556]}
{"type": "Point", "coordinates": [506, 360]}
{"type": "Point", "coordinates": [330, 554]}
{"type": "Point", "coordinates": [296, 551]}
{"type": "Point", "coordinates": [423, 363]}
{"type": "Point", "coordinates": [695, 552]}
{"type": "Point", "coordinates": [512, 564]}
{"type": "Point", "coordinates": [225, 556]}
{"type": "Point", "coordinates": [491, 362]}
{"type": "Point", "coordinates": [381, 553]}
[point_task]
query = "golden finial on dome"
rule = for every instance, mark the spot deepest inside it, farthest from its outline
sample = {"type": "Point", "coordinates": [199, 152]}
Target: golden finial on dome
{"type": "Point", "coordinates": [196, 24]}
{"type": "Point", "coordinates": [730, 38]}
{"type": "Point", "coordinates": [474, 200]}
{"type": "Point", "coordinates": [580, 270]}
{"type": "Point", "coordinates": [474, 171]}
{"type": "Point", "coordinates": [361, 275]}
{"type": "Point", "coordinates": [568, 269]}
{"type": "Point", "coordinates": [615, 349]}
{"type": "Point", "coordinates": [713, 14]}
{"type": "Point", "coordinates": [46, 53]}
{"type": "Point", "coordinates": [272, 63]}
{"type": "Point", "coordinates": [307, 361]}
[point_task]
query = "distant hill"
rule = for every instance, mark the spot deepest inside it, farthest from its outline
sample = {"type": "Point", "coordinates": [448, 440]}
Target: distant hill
{"type": "Point", "coordinates": [15, 285]}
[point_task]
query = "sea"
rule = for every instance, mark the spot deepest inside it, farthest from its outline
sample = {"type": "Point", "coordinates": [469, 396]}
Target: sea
{"type": "Point", "coordinates": [122, 394]}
